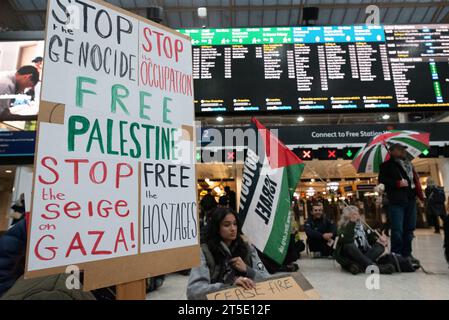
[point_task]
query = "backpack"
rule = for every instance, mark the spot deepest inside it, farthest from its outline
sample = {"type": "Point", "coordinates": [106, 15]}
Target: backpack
{"type": "Point", "coordinates": [438, 195]}
{"type": "Point", "coordinates": [400, 263]}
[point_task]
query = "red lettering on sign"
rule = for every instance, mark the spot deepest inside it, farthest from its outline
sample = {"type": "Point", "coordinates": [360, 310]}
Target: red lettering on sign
{"type": "Point", "coordinates": [119, 174]}
{"type": "Point", "coordinates": [51, 249]}
{"type": "Point", "coordinates": [45, 164]}
{"type": "Point", "coordinates": [166, 45]}
{"type": "Point", "coordinates": [76, 244]}
{"type": "Point", "coordinates": [120, 239]}
{"type": "Point", "coordinates": [49, 208]}
{"type": "Point", "coordinates": [99, 235]}
{"type": "Point", "coordinates": [76, 163]}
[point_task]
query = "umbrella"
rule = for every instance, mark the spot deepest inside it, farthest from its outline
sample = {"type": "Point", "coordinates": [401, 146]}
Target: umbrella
{"type": "Point", "coordinates": [370, 157]}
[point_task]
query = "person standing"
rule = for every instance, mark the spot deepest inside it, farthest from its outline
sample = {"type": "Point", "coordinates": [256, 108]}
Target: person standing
{"type": "Point", "coordinates": [435, 199]}
{"type": "Point", "coordinates": [207, 205]}
{"type": "Point", "coordinates": [38, 64]}
{"type": "Point", "coordinates": [402, 187]}
{"type": "Point", "coordinates": [229, 198]}
{"type": "Point", "coordinates": [18, 210]}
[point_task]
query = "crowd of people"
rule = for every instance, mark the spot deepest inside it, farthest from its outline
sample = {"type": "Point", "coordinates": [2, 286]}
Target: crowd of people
{"type": "Point", "coordinates": [229, 259]}
{"type": "Point", "coordinates": [352, 242]}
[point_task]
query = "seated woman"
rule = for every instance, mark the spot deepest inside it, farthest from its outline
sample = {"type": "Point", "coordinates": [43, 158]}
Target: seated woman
{"type": "Point", "coordinates": [359, 247]}
{"type": "Point", "coordinates": [226, 259]}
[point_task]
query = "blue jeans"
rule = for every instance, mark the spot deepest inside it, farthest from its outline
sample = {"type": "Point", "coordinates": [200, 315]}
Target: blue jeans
{"type": "Point", "coordinates": [403, 223]}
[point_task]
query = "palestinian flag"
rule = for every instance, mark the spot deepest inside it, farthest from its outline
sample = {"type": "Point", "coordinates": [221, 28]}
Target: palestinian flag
{"type": "Point", "coordinates": [270, 175]}
{"type": "Point", "coordinates": [370, 157]}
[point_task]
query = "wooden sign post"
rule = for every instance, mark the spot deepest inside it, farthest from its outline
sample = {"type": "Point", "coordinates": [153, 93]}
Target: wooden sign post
{"type": "Point", "coordinates": [114, 188]}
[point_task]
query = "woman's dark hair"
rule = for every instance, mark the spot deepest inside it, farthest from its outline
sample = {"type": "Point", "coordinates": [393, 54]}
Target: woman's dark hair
{"type": "Point", "coordinates": [238, 248]}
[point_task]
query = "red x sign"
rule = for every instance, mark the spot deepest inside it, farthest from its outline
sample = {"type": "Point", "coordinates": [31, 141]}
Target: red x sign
{"type": "Point", "coordinates": [231, 155]}
{"type": "Point", "coordinates": [332, 154]}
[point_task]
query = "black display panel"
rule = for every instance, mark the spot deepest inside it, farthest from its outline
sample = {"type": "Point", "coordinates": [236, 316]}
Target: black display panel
{"type": "Point", "coordinates": [320, 69]}
{"type": "Point", "coordinates": [419, 59]}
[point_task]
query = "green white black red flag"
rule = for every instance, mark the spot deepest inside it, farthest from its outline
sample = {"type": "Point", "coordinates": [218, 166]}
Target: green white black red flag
{"type": "Point", "coordinates": [271, 173]}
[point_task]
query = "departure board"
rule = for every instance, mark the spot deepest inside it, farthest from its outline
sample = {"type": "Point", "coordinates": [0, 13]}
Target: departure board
{"type": "Point", "coordinates": [306, 69]}
{"type": "Point", "coordinates": [419, 60]}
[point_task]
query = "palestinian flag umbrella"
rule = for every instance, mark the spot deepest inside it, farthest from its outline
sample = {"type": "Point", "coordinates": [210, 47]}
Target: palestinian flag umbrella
{"type": "Point", "coordinates": [370, 157]}
{"type": "Point", "coordinates": [270, 175]}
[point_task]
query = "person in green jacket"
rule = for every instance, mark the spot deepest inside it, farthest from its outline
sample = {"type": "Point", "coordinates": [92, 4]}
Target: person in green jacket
{"type": "Point", "coordinates": [358, 247]}
{"type": "Point", "coordinates": [52, 287]}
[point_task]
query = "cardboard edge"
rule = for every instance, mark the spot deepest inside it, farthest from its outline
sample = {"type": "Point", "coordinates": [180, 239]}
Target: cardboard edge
{"type": "Point", "coordinates": [139, 266]}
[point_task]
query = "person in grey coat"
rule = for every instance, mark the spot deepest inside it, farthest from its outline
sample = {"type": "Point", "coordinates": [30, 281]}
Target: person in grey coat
{"type": "Point", "coordinates": [226, 258]}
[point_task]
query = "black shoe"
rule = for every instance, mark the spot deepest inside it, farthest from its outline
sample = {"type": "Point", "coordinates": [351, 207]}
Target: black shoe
{"type": "Point", "coordinates": [413, 260]}
{"type": "Point", "coordinates": [416, 264]}
{"type": "Point", "coordinates": [437, 231]}
{"type": "Point", "coordinates": [386, 268]}
{"type": "Point", "coordinates": [292, 267]}
{"type": "Point", "coordinates": [354, 269]}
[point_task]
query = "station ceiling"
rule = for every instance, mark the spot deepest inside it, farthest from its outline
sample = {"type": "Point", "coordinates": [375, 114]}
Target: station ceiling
{"type": "Point", "coordinates": [30, 14]}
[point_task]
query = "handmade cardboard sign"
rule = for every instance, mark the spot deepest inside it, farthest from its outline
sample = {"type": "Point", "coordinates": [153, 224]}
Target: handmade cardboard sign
{"type": "Point", "coordinates": [114, 189]}
{"type": "Point", "coordinates": [294, 287]}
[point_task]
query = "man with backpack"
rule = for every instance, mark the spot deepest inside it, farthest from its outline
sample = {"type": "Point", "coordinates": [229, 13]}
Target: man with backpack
{"type": "Point", "coordinates": [435, 203]}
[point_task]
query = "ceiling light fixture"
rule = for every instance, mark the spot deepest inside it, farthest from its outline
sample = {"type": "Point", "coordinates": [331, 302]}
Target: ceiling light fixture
{"type": "Point", "coordinates": [202, 12]}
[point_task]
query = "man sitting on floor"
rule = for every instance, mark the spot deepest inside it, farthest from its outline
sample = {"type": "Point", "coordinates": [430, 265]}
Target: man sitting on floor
{"type": "Point", "coordinates": [320, 233]}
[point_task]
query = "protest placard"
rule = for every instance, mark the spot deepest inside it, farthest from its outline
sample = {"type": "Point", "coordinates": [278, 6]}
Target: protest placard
{"type": "Point", "coordinates": [114, 189]}
{"type": "Point", "coordinates": [286, 287]}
